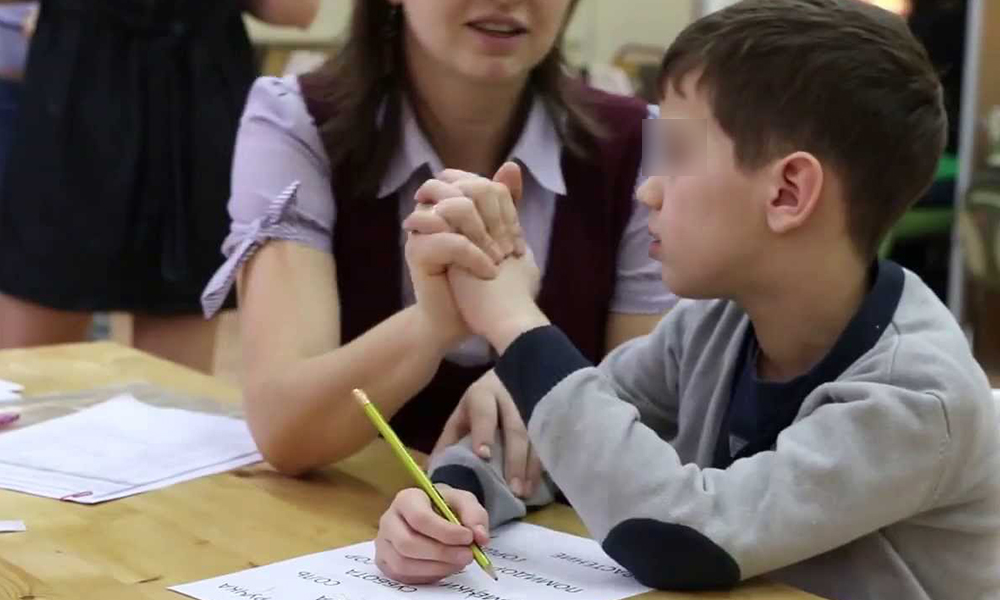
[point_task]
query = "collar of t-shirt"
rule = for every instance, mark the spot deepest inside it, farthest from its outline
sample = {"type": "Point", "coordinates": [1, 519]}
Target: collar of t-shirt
{"type": "Point", "coordinates": [760, 410]}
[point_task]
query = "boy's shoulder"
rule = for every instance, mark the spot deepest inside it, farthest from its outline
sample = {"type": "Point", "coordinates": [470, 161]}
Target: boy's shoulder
{"type": "Point", "coordinates": [925, 350]}
{"type": "Point", "coordinates": [923, 362]}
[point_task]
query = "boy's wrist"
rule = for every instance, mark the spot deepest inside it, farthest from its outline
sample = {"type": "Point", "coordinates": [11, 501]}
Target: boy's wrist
{"type": "Point", "coordinates": [506, 331]}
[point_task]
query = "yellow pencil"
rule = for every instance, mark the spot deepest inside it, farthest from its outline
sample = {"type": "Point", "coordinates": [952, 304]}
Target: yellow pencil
{"type": "Point", "coordinates": [418, 474]}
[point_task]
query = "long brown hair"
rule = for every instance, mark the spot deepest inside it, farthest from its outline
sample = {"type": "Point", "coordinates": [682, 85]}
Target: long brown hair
{"type": "Point", "coordinates": [369, 73]}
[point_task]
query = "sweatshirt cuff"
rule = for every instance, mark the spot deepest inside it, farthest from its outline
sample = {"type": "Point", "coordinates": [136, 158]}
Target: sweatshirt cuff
{"type": "Point", "coordinates": [460, 478]}
{"type": "Point", "coordinates": [535, 363]}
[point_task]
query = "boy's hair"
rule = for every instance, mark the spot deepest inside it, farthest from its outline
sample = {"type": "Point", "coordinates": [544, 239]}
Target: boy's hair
{"type": "Point", "coordinates": [840, 79]}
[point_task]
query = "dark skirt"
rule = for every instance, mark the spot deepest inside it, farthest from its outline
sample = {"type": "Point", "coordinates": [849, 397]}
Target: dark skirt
{"type": "Point", "coordinates": [10, 99]}
{"type": "Point", "coordinates": [118, 177]}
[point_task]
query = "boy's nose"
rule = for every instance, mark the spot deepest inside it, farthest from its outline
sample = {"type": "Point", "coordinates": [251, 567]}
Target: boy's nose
{"type": "Point", "coordinates": [650, 192]}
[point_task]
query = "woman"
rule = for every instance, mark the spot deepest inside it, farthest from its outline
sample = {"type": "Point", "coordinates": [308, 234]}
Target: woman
{"type": "Point", "coordinates": [327, 167]}
{"type": "Point", "coordinates": [16, 25]}
{"type": "Point", "coordinates": [114, 199]}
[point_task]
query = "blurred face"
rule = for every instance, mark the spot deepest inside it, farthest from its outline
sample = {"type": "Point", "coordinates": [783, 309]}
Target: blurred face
{"type": "Point", "coordinates": [707, 218]}
{"type": "Point", "coordinates": [495, 40]}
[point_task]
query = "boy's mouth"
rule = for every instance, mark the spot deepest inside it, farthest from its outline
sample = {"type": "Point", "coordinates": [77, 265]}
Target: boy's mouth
{"type": "Point", "coordinates": [654, 246]}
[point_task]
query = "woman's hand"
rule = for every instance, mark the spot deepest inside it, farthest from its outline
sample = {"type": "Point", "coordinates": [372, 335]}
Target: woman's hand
{"type": "Point", "coordinates": [485, 408]}
{"type": "Point", "coordinates": [483, 210]}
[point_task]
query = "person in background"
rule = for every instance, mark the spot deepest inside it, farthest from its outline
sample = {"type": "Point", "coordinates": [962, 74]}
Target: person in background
{"type": "Point", "coordinates": [940, 25]}
{"type": "Point", "coordinates": [16, 27]}
{"type": "Point", "coordinates": [114, 198]}
{"type": "Point", "coordinates": [328, 165]}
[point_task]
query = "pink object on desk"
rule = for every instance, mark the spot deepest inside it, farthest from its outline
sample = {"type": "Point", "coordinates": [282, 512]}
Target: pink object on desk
{"type": "Point", "coordinates": [8, 418]}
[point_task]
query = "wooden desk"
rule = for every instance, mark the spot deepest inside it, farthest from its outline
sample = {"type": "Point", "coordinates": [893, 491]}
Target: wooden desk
{"type": "Point", "coordinates": [136, 547]}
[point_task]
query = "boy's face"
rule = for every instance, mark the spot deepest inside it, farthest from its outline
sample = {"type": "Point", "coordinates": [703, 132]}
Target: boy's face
{"type": "Point", "coordinates": [705, 218]}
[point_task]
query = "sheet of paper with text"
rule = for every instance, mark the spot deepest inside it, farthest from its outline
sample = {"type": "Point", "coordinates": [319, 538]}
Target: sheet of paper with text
{"type": "Point", "coordinates": [533, 563]}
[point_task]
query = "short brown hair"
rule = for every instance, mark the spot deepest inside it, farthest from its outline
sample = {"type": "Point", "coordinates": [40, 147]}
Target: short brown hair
{"type": "Point", "coordinates": [841, 79]}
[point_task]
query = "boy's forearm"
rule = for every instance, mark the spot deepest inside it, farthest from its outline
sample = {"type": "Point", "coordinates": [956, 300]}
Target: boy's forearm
{"type": "Point", "coordinates": [676, 525]}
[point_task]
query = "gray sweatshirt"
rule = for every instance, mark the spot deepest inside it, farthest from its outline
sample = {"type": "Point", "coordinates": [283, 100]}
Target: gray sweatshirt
{"type": "Point", "coordinates": [884, 485]}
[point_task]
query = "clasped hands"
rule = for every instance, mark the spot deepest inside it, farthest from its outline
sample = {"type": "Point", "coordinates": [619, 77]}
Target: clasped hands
{"type": "Point", "coordinates": [472, 272]}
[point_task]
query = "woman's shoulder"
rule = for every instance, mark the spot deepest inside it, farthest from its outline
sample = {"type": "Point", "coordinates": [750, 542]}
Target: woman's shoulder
{"type": "Point", "coordinates": [278, 103]}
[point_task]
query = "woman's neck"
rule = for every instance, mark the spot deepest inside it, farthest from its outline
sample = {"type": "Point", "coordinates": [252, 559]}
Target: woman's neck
{"type": "Point", "coordinates": [469, 124]}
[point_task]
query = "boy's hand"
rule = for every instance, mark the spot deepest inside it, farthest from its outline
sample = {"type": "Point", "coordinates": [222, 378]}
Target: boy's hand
{"type": "Point", "coordinates": [486, 407]}
{"type": "Point", "coordinates": [415, 545]}
{"type": "Point", "coordinates": [429, 257]}
{"type": "Point", "coordinates": [503, 308]}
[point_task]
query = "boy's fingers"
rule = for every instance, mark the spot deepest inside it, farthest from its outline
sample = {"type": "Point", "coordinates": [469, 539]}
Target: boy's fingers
{"type": "Point", "coordinates": [467, 508]}
{"type": "Point", "coordinates": [463, 216]}
{"type": "Point", "coordinates": [418, 513]}
{"type": "Point", "coordinates": [510, 175]}
{"type": "Point", "coordinates": [407, 570]}
{"type": "Point", "coordinates": [482, 535]}
{"type": "Point", "coordinates": [412, 545]}
{"type": "Point", "coordinates": [488, 199]}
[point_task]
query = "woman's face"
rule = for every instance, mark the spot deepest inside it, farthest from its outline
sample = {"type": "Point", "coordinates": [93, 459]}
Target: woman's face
{"type": "Point", "coordinates": [483, 40]}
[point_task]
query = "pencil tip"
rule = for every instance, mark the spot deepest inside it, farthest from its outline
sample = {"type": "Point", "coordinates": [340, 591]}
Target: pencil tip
{"type": "Point", "coordinates": [489, 571]}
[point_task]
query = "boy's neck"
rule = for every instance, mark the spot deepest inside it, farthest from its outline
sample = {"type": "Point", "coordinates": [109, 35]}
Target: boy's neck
{"type": "Point", "coordinates": [468, 123]}
{"type": "Point", "coordinates": [799, 318]}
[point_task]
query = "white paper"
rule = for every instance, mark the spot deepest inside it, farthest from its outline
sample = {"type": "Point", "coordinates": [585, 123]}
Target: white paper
{"type": "Point", "coordinates": [12, 526]}
{"type": "Point", "coordinates": [10, 386]}
{"type": "Point", "coordinates": [120, 448]}
{"type": "Point", "coordinates": [533, 563]}
{"type": "Point", "coordinates": [10, 391]}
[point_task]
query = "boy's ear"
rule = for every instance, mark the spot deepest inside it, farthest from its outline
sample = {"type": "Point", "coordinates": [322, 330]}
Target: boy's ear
{"type": "Point", "coordinates": [798, 185]}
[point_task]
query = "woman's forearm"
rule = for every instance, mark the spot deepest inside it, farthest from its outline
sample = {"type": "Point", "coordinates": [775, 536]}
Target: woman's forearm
{"type": "Point", "coordinates": [304, 417]}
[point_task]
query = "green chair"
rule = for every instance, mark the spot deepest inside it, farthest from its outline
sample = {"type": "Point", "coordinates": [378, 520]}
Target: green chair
{"type": "Point", "coordinates": [920, 222]}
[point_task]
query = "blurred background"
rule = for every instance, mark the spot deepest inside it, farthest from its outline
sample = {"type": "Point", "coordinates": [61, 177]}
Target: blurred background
{"type": "Point", "coordinates": [951, 237]}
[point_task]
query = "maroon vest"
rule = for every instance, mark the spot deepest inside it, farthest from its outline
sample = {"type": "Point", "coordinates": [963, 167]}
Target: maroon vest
{"type": "Point", "coordinates": [579, 278]}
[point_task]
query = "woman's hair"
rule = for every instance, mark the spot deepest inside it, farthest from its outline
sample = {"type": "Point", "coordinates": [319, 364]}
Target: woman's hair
{"type": "Point", "coordinates": [368, 75]}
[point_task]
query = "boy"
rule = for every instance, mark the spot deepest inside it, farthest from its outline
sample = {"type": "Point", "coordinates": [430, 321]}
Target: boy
{"type": "Point", "coordinates": [824, 422]}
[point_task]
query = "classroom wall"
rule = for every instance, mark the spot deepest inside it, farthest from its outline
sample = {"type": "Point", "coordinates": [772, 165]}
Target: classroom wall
{"type": "Point", "coordinates": [332, 18]}
{"type": "Point", "coordinates": [599, 29]}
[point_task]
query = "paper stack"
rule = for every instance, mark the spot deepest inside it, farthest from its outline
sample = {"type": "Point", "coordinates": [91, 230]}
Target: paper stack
{"type": "Point", "coordinates": [119, 448]}
{"type": "Point", "coordinates": [10, 391]}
